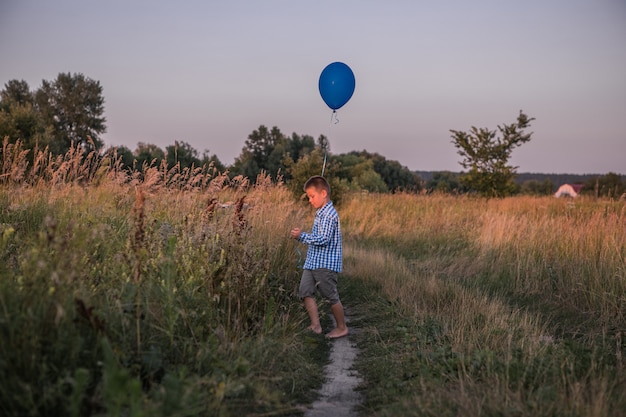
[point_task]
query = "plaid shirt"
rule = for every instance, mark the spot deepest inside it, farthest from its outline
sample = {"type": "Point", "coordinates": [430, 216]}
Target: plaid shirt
{"type": "Point", "coordinates": [324, 240]}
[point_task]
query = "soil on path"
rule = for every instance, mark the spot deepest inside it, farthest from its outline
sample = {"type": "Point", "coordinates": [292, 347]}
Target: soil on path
{"type": "Point", "coordinates": [338, 395]}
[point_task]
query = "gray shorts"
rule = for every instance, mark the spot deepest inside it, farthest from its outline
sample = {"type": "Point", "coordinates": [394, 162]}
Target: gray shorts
{"type": "Point", "coordinates": [322, 280]}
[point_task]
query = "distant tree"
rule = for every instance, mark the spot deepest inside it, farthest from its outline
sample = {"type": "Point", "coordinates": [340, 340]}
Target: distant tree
{"type": "Point", "coordinates": [323, 143]}
{"type": "Point", "coordinates": [208, 159]}
{"type": "Point", "coordinates": [276, 154]}
{"type": "Point", "coordinates": [370, 180]}
{"type": "Point", "coordinates": [298, 146]}
{"type": "Point", "coordinates": [125, 154]}
{"type": "Point", "coordinates": [292, 149]}
{"type": "Point", "coordinates": [261, 142]}
{"type": "Point", "coordinates": [121, 153]}
{"type": "Point", "coordinates": [246, 165]}
{"type": "Point", "coordinates": [19, 118]}
{"type": "Point", "coordinates": [22, 122]}
{"type": "Point", "coordinates": [444, 182]}
{"type": "Point", "coordinates": [16, 92]}
{"type": "Point", "coordinates": [73, 107]}
{"type": "Point", "coordinates": [147, 154]}
{"type": "Point", "coordinates": [535, 187]}
{"type": "Point", "coordinates": [609, 185]}
{"type": "Point", "coordinates": [182, 153]}
{"type": "Point", "coordinates": [358, 172]}
{"type": "Point", "coordinates": [303, 169]}
{"type": "Point", "coordinates": [264, 150]}
{"type": "Point", "coordinates": [310, 165]}
{"type": "Point", "coordinates": [486, 156]}
{"type": "Point", "coordinates": [395, 176]}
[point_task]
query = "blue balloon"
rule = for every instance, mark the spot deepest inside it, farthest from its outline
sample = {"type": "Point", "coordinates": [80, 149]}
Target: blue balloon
{"type": "Point", "coordinates": [336, 84]}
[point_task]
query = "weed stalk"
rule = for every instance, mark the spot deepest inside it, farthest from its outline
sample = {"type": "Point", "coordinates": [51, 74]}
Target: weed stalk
{"type": "Point", "coordinates": [138, 249]}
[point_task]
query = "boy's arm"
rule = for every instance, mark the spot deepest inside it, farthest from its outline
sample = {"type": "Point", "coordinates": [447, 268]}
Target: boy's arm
{"type": "Point", "coordinates": [324, 234]}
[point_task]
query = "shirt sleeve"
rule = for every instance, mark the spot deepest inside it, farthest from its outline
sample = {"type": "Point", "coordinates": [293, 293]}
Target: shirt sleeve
{"type": "Point", "coordinates": [320, 235]}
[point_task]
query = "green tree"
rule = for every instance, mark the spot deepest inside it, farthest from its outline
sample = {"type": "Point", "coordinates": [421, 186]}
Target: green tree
{"type": "Point", "coordinates": [536, 187]}
{"type": "Point", "coordinates": [182, 153]}
{"type": "Point", "coordinates": [148, 154]}
{"type": "Point", "coordinates": [19, 119]}
{"type": "Point", "coordinates": [264, 150]}
{"type": "Point", "coordinates": [444, 182]}
{"type": "Point", "coordinates": [395, 176]}
{"type": "Point", "coordinates": [609, 185]}
{"type": "Point", "coordinates": [486, 156]}
{"type": "Point", "coordinates": [291, 149]}
{"type": "Point", "coordinates": [358, 172]}
{"type": "Point", "coordinates": [309, 165]}
{"type": "Point", "coordinates": [122, 152]}
{"type": "Point", "coordinates": [245, 165]}
{"type": "Point", "coordinates": [298, 146]}
{"type": "Point", "coordinates": [73, 106]}
{"type": "Point", "coordinates": [16, 92]}
{"type": "Point", "coordinates": [208, 159]}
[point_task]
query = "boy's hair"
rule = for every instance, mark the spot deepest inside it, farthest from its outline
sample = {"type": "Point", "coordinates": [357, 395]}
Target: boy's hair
{"type": "Point", "coordinates": [317, 182]}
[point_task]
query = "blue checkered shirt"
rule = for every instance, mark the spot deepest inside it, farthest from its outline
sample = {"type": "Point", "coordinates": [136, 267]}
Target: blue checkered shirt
{"type": "Point", "coordinates": [324, 240]}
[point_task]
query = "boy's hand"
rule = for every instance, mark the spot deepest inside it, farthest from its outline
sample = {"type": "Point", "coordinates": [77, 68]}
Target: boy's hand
{"type": "Point", "coordinates": [295, 233]}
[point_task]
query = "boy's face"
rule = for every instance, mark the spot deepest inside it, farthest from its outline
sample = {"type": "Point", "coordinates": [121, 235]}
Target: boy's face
{"type": "Point", "coordinates": [317, 198]}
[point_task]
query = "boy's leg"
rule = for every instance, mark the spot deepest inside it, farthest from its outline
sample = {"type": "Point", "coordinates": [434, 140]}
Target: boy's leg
{"type": "Point", "coordinates": [307, 291]}
{"type": "Point", "coordinates": [311, 307]}
{"type": "Point", "coordinates": [328, 288]}
{"type": "Point", "coordinates": [341, 329]}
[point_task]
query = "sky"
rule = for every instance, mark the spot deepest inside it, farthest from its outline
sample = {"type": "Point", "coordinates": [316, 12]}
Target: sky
{"type": "Point", "coordinates": [210, 72]}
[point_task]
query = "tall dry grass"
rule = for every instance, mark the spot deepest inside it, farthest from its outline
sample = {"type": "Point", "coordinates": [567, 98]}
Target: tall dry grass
{"type": "Point", "coordinates": [161, 292]}
{"type": "Point", "coordinates": [519, 303]}
{"type": "Point", "coordinates": [32, 167]}
{"type": "Point", "coordinates": [572, 256]}
{"type": "Point", "coordinates": [569, 253]}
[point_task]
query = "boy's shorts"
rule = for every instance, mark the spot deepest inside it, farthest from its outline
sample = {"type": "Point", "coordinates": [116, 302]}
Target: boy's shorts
{"type": "Point", "coordinates": [324, 280]}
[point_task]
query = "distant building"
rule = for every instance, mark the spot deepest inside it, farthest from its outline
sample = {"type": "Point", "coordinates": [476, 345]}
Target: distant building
{"type": "Point", "coordinates": [568, 190]}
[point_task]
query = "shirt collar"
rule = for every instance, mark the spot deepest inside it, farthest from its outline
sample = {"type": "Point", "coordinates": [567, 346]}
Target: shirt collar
{"type": "Point", "coordinates": [325, 207]}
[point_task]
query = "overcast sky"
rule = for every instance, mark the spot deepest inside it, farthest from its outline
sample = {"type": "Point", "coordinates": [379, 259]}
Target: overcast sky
{"type": "Point", "coordinates": [210, 72]}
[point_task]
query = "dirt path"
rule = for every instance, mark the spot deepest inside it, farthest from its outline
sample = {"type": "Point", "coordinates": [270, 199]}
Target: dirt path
{"type": "Point", "coordinates": [338, 396]}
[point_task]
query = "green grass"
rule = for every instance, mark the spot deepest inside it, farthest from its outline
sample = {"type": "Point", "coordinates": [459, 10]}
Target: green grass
{"type": "Point", "coordinates": [116, 302]}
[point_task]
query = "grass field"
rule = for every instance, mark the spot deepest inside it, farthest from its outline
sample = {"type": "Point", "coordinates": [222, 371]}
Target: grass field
{"type": "Point", "coordinates": [501, 307]}
{"type": "Point", "coordinates": [173, 293]}
{"type": "Point", "coordinates": [167, 293]}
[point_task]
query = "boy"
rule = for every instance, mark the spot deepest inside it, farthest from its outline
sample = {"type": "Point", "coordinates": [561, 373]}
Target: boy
{"type": "Point", "coordinates": [323, 259]}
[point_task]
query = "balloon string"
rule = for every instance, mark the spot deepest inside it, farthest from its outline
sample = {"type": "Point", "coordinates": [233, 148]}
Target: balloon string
{"type": "Point", "coordinates": [333, 120]}
{"type": "Point", "coordinates": [299, 263]}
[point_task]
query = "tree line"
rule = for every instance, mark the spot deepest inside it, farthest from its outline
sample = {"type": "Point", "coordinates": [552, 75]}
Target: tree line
{"type": "Point", "coordinates": [610, 185]}
{"type": "Point", "coordinates": [69, 111]}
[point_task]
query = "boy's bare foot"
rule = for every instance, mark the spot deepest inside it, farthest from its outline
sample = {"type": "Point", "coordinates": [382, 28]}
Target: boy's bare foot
{"type": "Point", "coordinates": [315, 329]}
{"type": "Point", "coordinates": [337, 332]}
